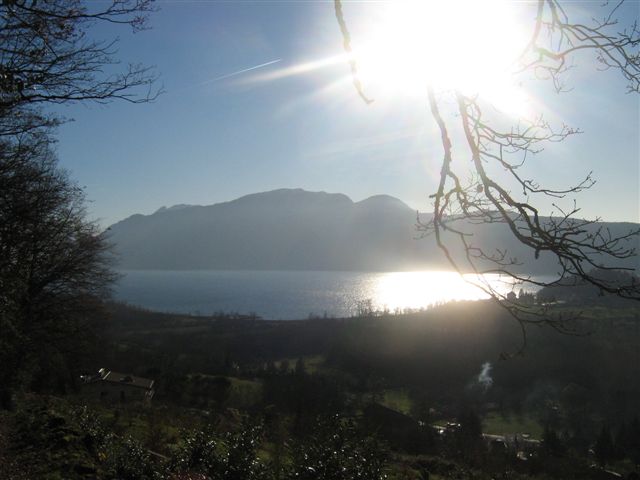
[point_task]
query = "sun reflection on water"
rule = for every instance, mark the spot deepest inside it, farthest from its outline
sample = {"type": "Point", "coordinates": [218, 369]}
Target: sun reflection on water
{"type": "Point", "coordinates": [397, 291]}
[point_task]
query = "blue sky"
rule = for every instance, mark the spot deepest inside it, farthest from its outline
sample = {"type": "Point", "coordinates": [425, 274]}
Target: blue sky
{"type": "Point", "coordinates": [205, 141]}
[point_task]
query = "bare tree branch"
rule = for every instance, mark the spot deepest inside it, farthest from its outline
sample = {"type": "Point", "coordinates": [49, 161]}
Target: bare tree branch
{"type": "Point", "coordinates": [346, 36]}
{"type": "Point", "coordinates": [47, 57]}
{"type": "Point", "coordinates": [584, 250]}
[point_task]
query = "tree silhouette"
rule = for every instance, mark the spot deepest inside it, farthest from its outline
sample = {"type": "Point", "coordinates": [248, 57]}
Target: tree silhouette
{"type": "Point", "coordinates": [583, 249]}
{"type": "Point", "coordinates": [54, 263]}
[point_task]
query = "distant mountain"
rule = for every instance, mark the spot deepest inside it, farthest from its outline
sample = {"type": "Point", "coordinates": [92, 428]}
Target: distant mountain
{"type": "Point", "coordinates": [173, 208]}
{"type": "Point", "coordinates": [293, 229]}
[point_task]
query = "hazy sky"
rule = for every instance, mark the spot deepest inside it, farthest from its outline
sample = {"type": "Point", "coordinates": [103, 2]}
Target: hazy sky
{"type": "Point", "coordinates": [214, 136]}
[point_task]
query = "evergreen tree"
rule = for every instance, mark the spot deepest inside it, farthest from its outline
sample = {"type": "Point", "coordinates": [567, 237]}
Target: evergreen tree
{"type": "Point", "coordinates": [604, 449]}
{"type": "Point", "coordinates": [551, 442]}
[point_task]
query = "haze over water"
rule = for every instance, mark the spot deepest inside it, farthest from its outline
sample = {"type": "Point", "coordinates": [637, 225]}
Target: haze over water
{"type": "Point", "coordinates": [288, 295]}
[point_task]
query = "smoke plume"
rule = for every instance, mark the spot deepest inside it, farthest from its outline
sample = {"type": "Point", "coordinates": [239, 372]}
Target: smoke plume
{"type": "Point", "coordinates": [484, 377]}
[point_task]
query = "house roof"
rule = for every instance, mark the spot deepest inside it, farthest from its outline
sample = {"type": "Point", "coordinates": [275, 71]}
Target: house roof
{"type": "Point", "coordinates": [126, 379]}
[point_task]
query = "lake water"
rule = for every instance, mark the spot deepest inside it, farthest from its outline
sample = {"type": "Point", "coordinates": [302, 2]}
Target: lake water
{"type": "Point", "coordinates": [290, 295]}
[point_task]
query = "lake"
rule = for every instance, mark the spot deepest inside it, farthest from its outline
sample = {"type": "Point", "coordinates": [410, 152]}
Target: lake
{"type": "Point", "coordinates": [287, 295]}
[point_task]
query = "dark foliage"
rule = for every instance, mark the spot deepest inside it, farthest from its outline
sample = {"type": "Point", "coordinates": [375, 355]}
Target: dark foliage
{"type": "Point", "coordinates": [54, 269]}
{"type": "Point", "coordinates": [232, 456]}
{"type": "Point", "coordinates": [337, 450]}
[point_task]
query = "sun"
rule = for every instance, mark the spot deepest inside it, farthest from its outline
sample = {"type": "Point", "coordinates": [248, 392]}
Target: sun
{"type": "Point", "coordinates": [470, 46]}
{"type": "Point", "coordinates": [401, 47]}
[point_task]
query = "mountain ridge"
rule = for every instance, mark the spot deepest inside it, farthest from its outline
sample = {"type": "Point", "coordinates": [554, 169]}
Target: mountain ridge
{"type": "Point", "coordinates": [294, 229]}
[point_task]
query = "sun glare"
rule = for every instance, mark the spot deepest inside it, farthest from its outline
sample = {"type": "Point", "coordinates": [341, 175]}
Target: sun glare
{"type": "Point", "coordinates": [471, 46]}
{"type": "Point", "coordinates": [415, 290]}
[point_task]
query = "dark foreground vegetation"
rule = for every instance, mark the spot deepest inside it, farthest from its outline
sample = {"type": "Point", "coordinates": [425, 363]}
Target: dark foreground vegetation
{"type": "Point", "coordinates": [433, 395]}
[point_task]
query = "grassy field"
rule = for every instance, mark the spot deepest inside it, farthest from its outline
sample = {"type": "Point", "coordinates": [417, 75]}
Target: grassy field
{"type": "Point", "coordinates": [244, 393]}
{"type": "Point", "coordinates": [398, 400]}
{"type": "Point", "coordinates": [496, 424]}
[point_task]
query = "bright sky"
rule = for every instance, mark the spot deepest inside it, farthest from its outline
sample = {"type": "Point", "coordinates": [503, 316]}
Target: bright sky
{"type": "Point", "coordinates": [214, 136]}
